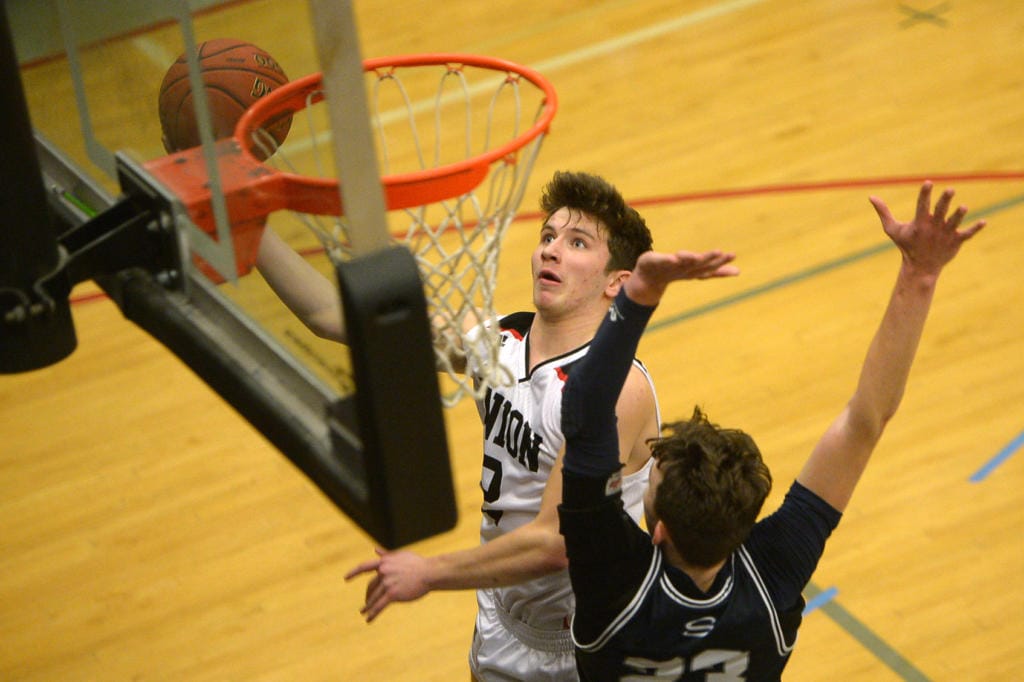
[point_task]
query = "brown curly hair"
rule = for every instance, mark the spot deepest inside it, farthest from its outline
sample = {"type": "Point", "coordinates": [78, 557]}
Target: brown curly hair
{"type": "Point", "coordinates": [628, 235]}
{"type": "Point", "coordinates": [714, 483]}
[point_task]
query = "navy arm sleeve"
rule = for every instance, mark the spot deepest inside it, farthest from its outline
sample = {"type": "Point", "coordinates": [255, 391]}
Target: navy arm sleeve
{"type": "Point", "coordinates": [593, 388]}
{"type": "Point", "coordinates": [608, 553]}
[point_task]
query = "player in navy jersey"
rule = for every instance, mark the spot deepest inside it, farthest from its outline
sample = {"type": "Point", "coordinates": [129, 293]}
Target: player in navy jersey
{"type": "Point", "coordinates": [710, 594]}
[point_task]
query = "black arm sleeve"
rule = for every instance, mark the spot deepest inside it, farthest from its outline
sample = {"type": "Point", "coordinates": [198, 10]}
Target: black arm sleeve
{"type": "Point", "coordinates": [608, 553]}
{"type": "Point", "coordinates": [593, 388]}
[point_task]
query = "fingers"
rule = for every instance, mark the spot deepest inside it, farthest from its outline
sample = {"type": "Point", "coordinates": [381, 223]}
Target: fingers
{"type": "Point", "coordinates": [924, 212]}
{"type": "Point", "coordinates": [954, 222]}
{"type": "Point", "coordinates": [725, 271]}
{"type": "Point", "coordinates": [934, 236]}
{"type": "Point", "coordinates": [942, 206]}
{"type": "Point", "coordinates": [972, 230]}
{"type": "Point", "coordinates": [884, 214]}
{"type": "Point", "coordinates": [695, 258]}
{"type": "Point", "coordinates": [720, 267]}
{"type": "Point", "coordinates": [373, 589]}
{"type": "Point", "coordinates": [373, 613]}
{"type": "Point", "coordinates": [956, 218]}
{"type": "Point", "coordinates": [366, 566]}
{"type": "Point", "coordinates": [376, 599]}
{"type": "Point", "coordinates": [708, 264]}
{"type": "Point", "coordinates": [924, 201]}
{"type": "Point", "coordinates": [716, 257]}
{"type": "Point", "coordinates": [716, 264]}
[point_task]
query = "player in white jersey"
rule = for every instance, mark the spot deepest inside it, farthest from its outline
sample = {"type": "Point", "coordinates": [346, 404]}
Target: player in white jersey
{"type": "Point", "coordinates": [522, 629]}
{"type": "Point", "coordinates": [589, 242]}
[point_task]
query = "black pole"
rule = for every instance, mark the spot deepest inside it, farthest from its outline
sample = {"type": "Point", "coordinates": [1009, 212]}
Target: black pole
{"type": "Point", "coordinates": [36, 328]}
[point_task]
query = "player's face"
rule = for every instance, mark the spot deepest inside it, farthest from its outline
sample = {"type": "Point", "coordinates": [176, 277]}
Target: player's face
{"type": "Point", "coordinates": [570, 264]}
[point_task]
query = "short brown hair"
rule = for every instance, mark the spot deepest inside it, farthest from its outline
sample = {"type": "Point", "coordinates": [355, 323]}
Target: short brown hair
{"type": "Point", "coordinates": [628, 236]}
{"type": "Point", "coordinates": [714, 483]}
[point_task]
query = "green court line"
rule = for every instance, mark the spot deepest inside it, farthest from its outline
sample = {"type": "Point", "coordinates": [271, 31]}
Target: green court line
{"type": "Point", "coordinates": [815, 270]}
{"type": "Point", "coordinates": [868, 639]}
{"type": "Point", "coordinates": [995, 208]}
{"type": "Point", "coordinates": [771, 286]}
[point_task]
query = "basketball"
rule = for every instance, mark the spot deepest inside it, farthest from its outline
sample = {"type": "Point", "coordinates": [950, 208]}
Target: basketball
{"type": "Point", "coordinates": [236, 74]}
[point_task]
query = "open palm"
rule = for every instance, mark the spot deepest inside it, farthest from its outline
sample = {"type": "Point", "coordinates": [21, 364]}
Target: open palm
{"type": "Point", "coordinates": [931, 239]}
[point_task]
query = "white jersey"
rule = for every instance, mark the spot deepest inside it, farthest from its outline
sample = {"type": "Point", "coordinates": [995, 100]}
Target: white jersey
{"type": "Point", "coordinates": [522, 437]}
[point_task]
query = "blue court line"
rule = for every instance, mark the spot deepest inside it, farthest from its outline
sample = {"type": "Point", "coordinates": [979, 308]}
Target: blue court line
{"type": "Point", "coordinates": [1012, 447]}
{"type": "Point", "coordinates": [820, 599]}
{"type": "Point", "coordinates": [860, 632]}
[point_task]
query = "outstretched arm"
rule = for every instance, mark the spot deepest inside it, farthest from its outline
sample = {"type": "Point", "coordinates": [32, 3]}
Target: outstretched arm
{"type": "Point", "coordinates": [927, 244]}
{"type": "Point", "coordinates": [592, 389]}
{"type": "Point", "coordinates": [314, 299]}
{"type": "Point", "coordinates": [530, 551]}
{"type": "Point", "coordinates": [403, 575]}
{"type": "Point", "coordinates": [308, 294]}
{"type": "Point", "coordinates": [606, 551]}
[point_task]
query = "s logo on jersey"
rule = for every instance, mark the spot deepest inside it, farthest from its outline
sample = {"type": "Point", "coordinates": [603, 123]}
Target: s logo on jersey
{"type": "Point", "coordinates": [701, 627]}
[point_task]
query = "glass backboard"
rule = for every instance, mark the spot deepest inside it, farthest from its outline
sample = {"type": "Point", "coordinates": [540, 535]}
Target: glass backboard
{"type": "Point", "coordinates": [339, 413]}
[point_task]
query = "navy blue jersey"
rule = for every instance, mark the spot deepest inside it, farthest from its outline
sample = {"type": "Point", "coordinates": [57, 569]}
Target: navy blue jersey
{"type": "Point", "coordinates": [637, 617]}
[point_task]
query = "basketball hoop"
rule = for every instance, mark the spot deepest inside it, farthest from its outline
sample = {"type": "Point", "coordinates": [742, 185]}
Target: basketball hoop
{"type": "Point", "coordinates": [456, 136]}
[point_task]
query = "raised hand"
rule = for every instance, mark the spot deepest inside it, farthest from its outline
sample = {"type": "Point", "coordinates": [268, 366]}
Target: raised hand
{"type": "Point", "coordinates": [931, 239]}
{"type": "Point", "coordinates": [654, 271]}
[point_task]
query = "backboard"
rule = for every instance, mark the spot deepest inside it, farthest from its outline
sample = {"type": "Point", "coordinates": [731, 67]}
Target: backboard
{"type": "Point", "coordinates": [87, 209]}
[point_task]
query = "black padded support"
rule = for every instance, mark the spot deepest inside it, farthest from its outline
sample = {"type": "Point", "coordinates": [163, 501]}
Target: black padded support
{"type": "Point", "coordinates": [397, 399]}
{"type": "Point", "coordinates": [36, 329]}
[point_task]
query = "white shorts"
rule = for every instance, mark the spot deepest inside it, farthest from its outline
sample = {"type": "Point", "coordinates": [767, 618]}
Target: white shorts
{"type": "Point", "coordinates": [508, 650]}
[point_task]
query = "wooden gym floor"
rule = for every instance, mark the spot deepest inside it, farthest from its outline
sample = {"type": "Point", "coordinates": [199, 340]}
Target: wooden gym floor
{"type": "Point", "coordinates": [148, 533]}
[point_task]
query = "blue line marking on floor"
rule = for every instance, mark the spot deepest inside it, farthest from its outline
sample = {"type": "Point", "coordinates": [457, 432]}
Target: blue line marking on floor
{"type": "Point", "coordinates": [1012, 447]}
{"type": "Point", "coordinates": [820, 599]}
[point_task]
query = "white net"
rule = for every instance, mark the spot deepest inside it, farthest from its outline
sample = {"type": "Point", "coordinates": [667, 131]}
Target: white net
{"type": "Point", "coordinates": [429, 116]}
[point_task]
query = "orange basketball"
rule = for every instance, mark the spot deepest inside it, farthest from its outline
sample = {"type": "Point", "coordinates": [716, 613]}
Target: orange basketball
{"type": "Point", "coordinates": [235, 74]}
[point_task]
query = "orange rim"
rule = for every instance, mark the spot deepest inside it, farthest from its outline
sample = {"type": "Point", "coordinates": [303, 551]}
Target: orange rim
{"type": "Point", "coordinates": [404, 190]}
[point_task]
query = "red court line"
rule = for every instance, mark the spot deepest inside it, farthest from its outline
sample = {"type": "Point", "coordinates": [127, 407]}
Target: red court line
{"type": "Point", "coordinates": [738, 192]}
{"type": "Point", "coordinates": [88, 298]}
{"type": "Point", "coordinates": [793, 188]}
